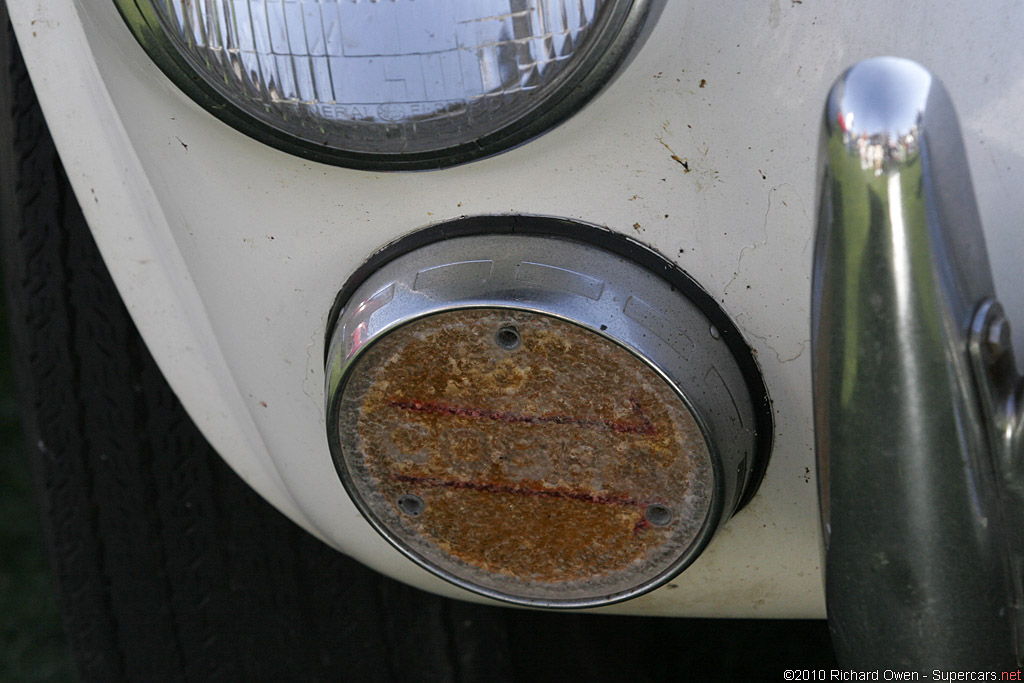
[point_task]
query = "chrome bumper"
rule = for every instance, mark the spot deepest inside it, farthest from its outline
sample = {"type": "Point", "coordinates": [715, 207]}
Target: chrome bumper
{"type": "Point", "coordinates": [914, 386]}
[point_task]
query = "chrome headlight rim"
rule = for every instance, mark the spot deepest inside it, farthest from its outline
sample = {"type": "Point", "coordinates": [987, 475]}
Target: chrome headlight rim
{"type": "Point", "coordinates": [605, 54]}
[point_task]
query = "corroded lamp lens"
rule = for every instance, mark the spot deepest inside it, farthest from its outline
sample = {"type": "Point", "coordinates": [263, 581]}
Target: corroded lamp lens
{"type": "Point", "coordinates": [537, 418]}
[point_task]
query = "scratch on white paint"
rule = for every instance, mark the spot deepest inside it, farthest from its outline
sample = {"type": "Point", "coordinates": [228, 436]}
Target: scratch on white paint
{"type": "Point", "coordinates": [755, 245]}
{"type": "Point", "coordinates": [768, 344]}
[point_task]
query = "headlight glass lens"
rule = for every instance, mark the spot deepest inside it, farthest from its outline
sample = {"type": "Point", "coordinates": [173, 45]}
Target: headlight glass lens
{"type": "Point", "coordinates": [399, 77]}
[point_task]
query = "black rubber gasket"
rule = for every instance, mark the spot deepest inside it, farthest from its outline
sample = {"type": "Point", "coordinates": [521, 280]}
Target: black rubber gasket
{"type": "Point", "coordinates": [641, 254]}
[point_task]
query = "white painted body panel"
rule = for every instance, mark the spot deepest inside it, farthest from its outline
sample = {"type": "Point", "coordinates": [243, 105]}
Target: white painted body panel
{"type": "Point", "coordinates": [229, 253]}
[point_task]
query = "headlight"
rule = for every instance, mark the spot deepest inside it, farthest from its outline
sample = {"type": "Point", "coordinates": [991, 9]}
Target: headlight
{"type": "Point", "coordinates": [388, 84]}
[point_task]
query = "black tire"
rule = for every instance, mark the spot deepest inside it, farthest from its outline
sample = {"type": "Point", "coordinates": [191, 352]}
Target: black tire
{"type": "Point", "coordinates": [170, 568]}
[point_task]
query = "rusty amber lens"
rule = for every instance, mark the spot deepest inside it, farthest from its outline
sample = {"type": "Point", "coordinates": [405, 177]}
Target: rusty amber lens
{"type": "Point", "coordinates": [543, 461]}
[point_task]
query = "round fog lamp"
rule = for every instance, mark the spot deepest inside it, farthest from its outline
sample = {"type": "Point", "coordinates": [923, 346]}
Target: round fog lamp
{"type": "Point", "coordinates": [538, 419]}
{"type": "Point", "coordinates": [388, 83]}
